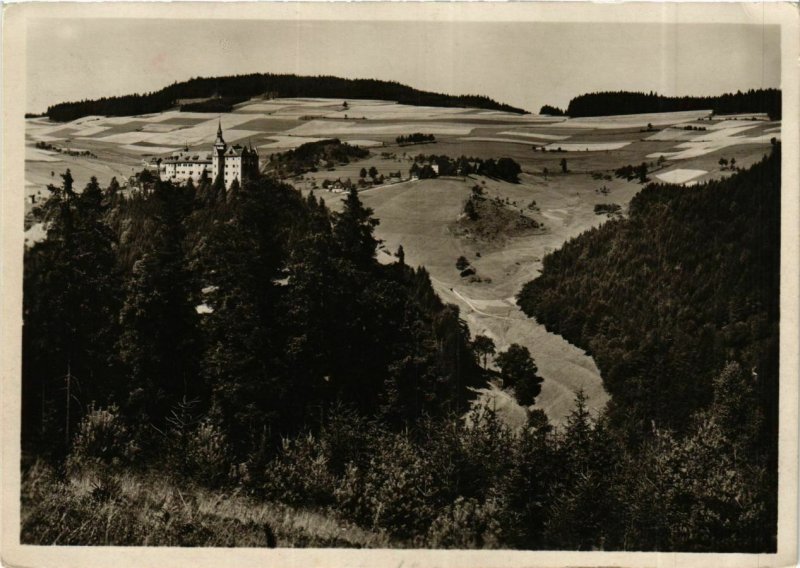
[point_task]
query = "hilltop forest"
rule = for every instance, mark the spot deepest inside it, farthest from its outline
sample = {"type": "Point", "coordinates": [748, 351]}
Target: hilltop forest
{"type": "Point", "coordinates": [226, 91]}
{"type": "Point", "coordinates": [235, 368]}
{"type": "Point", "coordinates": [626, 102]}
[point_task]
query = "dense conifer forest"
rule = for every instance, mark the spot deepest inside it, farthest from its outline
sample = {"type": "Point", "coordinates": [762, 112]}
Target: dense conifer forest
{"type": "Point", "coordinates": [238, 88]}
{"type": "Point", "coordinates": [626, 102]}
{"type": "Point", "coordinates": [678, 304]}
{"type": "Point", "coordinates": [192, 355]}
{"type": "Point", "coordinates": [295, 313]}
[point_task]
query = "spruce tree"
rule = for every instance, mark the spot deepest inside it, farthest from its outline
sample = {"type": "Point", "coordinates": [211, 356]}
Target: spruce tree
{"type": "Point", "coordinates": [354, 231]}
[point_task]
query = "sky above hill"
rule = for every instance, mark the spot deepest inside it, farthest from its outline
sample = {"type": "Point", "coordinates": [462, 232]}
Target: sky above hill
{"type": "Point", "coordinates": [523, 64]}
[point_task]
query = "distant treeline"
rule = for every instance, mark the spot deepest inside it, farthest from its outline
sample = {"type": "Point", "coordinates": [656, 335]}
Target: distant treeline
{"type": "Point", "coordinates": [42, 145]}
{"type": "Point", "coordinates": [310, 156]}
{"type": "Point", "coordinates": [627, 102]}
{"type": "Point", "coordinates": [504, 169]}
{"type": "Point", "coordinates": [255, 84]}
{"type": "Point", "coordinates": [551, 110]}
{"type": "Point", "coordinates": [416, 138]}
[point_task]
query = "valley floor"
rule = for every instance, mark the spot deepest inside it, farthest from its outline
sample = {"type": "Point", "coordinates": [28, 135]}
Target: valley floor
{"type": "Point", "coordinates": [417, 215]}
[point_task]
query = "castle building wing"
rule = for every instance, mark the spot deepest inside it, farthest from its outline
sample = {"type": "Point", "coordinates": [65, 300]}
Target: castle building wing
{"type": "Point", "coordinates": [235, 162]}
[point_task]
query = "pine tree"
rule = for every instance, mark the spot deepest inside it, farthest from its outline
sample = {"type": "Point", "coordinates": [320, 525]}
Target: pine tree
{"type": "Point", "coordinates": [354, 231]}
{"type": "Point", "coordinates": [233, 190]}
{"type": "Point", "coordinates": [519, 372]}
{"type": "Point", "coordinates": [483, 347]}
{"type": "Point", "coordinates": [582, 500]}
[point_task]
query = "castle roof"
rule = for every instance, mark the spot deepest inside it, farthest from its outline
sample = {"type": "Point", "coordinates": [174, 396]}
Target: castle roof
{"type": "Point", "coordinates": [239, 150]}
{"type": "Point", "coordinates": [195, 157]}
{"type": "Point", "coordinates": [192, 157]}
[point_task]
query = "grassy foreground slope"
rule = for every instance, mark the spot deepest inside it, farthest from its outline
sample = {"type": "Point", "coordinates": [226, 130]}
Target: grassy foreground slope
{"type": "Point", "coordinates": [115, 509]}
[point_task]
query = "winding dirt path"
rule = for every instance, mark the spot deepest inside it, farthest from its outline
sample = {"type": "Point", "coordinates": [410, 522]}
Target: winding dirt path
{"type": "Point", "coordinates": [564, 367]}
{"type": "Point", "coordinates": [418, 216]}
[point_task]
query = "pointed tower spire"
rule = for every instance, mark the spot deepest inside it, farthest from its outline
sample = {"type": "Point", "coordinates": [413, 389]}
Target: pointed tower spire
{"type": "Point", "coordinates": [219, 142]}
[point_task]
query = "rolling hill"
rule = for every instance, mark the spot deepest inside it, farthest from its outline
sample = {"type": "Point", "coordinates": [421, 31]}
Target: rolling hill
{"type": "Point", "coordinates": [238, 88]}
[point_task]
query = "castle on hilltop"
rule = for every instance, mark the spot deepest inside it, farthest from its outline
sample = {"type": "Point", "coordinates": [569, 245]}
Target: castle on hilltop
{"type": "Point", "coordinates": [231, 162]}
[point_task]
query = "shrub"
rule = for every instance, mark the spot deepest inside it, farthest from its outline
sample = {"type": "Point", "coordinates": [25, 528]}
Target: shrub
{"type": "Point", "coordinates": [102, 438]}
{"type": "Point", "coordinates": [350, 497]}
{"type": "Point", "coordinates": [466, 523]}
{"type": "Point", "coordinates": [207, 456]}
{"type": "Point", "coordinates": [301, 473]}
{"type": "Point", "coordinates": [398, 491]}
{"type": "Point", "coordinates": [347, 437]}
{"type": "Point", "coordinates": [196, 448]}
{"type": "Point", "coordinates": [607, 209]}
{"type": "Point", "coordinates": [470, 211]}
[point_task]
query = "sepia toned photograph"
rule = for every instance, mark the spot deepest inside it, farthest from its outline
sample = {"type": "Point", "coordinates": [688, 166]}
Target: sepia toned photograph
{"type": "Point", "coordinates": [407, 278]}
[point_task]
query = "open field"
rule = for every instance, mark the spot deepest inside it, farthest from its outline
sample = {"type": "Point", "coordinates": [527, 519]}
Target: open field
{"type": "Point", "coordinates": [418, 214]}
{"type": "Point", "coordinates": [343, 128]}
{"type": "Point", "coordinates": [634, 120]}
{"type": "Point", "coordinates": [680, 175]}
{"type": "Point", "coordinates": [586, 146]}
{"type": "Point", "coordinates": [532, 134]}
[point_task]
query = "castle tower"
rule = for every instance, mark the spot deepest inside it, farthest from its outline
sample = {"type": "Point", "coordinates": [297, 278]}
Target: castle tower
{"type": "Point", "coordinates": [217, 155]}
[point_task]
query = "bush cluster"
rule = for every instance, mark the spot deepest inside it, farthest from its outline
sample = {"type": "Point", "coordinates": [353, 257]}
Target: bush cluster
{"type": "Point", "coordinates": [102, 439]}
